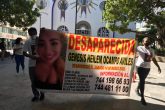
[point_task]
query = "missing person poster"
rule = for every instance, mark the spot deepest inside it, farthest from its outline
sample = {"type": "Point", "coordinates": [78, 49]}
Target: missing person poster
{"type": "Point", "coordinates": [83, 64]}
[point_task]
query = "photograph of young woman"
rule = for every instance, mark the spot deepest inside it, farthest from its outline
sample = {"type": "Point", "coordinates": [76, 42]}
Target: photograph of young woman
{"type": "Point", "coordinates": [51, 62]}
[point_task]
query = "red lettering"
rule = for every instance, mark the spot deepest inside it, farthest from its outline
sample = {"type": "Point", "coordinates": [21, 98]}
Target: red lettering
{"type": "Point", "coordinates": [106, 50]}
{"type": "Point", "coordinates": [127, 45]}
{"type": "Point", "coordinates": [89, 45]}
{"type": "Point", "coordinates": [95, 44]}
{"type": "Point", "coordinates": [132, 48]}
{"type": "Point", "coordinates": [112, 50]}
{"type": "Point", "coordinates": [71, 41]}
{"type": "Point", "coordinates": [100, 46]}
{"type": "Point", "coordinates": [118, 43]}
{"type": "Point", "coordinates": [77, 42]}
{"type": "Point", "coordinates": [83, 46]}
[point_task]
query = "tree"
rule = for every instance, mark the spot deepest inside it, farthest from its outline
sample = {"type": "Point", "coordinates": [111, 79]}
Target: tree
{"type": "Point", "coordinates": [150, 30]}
{"type": "Point", "coordinates": [126, 11]}
{"type": "Point", "coordinates": [19, 13]}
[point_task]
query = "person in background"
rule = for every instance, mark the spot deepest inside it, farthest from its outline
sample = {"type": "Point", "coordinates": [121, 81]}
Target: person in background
{"type": "Point", "coordinates": [12, 56]}
{"type": "Point", "coordinates": [18, 53]}
{"type": "Point", "coordinates": [29, 50]}
{"type": "Point", "coordinates": [143, 65]}
{"type": "Point", "coordinates": [3, 48]}
{"type": "Point", "coordinates": [50, 66]}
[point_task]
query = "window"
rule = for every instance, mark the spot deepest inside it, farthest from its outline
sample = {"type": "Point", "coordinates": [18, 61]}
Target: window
{"type": "Point", "coordinates": [63, 29]}
{"type": "Point", "coordinates": [15, 32]}
{"type": "Point", "coordinates": [10, 31]}
{"type": "Point", "coordinates": [83, 28]}
{"type": "Point", "coordinates": [4, 29]}
{"type": "Point", "coordinates": [102, 5]}
{"type": "Point", "coordinates": [83, 31]}
{"type": "Point", "coordinates": [0, 29]}
{"type": "Point", "coordinates": [103, 32]}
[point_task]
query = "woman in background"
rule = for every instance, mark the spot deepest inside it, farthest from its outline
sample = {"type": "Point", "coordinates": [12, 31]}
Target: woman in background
{"type": "Point", "coordinates": [18, 54]}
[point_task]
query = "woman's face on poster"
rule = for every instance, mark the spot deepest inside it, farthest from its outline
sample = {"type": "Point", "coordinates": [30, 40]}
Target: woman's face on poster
{"type": "Point", "coordinates": [49, 47]}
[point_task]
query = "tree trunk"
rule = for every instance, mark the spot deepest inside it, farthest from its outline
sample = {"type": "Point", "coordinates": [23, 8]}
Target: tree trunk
{"type": "Point", "coordinates": [161, 36]}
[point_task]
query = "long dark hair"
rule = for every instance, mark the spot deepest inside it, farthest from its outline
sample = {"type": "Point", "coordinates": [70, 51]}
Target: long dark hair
{"type": "Point", "coordinates": [32, 31]}
{"type": "Point", "coordinates": [18, 40]}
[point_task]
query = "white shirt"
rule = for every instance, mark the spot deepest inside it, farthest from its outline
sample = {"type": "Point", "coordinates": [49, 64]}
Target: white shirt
{"type": "Point", "coordinates": [145, 57]}
{"type": "Point", "coordinates": [19, 49]}
{"type": "Point", "coordinates": [30, 46]}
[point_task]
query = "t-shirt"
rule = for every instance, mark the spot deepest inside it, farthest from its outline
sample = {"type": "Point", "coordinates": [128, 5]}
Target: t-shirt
{"type": "Point", "coordinates": [30, 47]}
{"type": "Point", "coordinates": [18, 51]}
{"type": "Point", "coordinates": [145, 57]}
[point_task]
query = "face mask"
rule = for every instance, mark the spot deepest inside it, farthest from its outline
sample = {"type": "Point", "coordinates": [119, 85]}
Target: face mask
{"type": "Point", "coordinates": [147, 44]}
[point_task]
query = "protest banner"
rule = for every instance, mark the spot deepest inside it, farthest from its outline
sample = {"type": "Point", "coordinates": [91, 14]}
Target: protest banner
{"type": "Point", "coordinates": [88, 64]}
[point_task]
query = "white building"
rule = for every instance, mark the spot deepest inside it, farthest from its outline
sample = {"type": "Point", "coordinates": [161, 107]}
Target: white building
{"type": "Point", "coordinates": [89, 18]}
{"type": "Point", "coordinates": [45, 19]}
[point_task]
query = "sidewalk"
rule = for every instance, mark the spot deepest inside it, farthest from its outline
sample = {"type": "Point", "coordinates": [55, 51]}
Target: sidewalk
{"type": "Point", "coordinates": [15, 94]}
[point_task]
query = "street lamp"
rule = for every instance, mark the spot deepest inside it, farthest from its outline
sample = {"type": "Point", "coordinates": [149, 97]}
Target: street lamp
{"type": "Point", "coordinates": [76, 17]}
{"type": "Point", "coordinates": [52, 17]}
{"type": "Point", "coordinates": [41, 4]}
{"type": "Point", "coordinates": [40, 16]}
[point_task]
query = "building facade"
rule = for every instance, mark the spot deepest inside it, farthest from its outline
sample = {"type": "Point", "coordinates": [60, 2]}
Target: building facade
{"type": "Point", "coordinates": [10, 34]}
{"type": "Point", "coordinates": [45, 15]}
{"type": "Point", "coordinates": [84, 17]}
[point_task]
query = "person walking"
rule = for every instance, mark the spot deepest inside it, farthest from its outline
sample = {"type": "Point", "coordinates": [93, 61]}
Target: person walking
{"type": "Point", "coordinates": [29, 50]}
{"type": "Point", "coordinates": [3, 48]}
{"type": "Point", "coordinates": [143, 65]}
{"type": "Point", "coordinates": [18, 54]}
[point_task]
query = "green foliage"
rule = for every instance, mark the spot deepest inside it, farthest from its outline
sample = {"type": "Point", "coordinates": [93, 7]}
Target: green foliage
{"type": "Point", "coordinates": [19, 13]}
{"type": "Point", "coordinates": [126, 11]}
{"type": "Point", "coordinates": [152, 32]}
{"type": "Point", "coordinates": [160, 52]}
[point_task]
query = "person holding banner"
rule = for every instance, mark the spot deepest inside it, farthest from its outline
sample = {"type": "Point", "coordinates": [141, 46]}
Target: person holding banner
{"type": "Point", "coordinates": [50, 65]}
{"type": "Point", "coordinates": [29, 50]}
{"type": "Point", "coordinates": [143, 64]}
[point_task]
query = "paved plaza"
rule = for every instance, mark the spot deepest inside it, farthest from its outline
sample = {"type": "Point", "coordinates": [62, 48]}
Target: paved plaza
{"type": "Point", "coordinates": [15, 94]}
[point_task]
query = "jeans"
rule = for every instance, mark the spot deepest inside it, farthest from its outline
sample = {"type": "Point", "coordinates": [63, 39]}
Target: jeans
{"type": "Point", "coordinates": [143, 73]}
{"type": "Point", "coordinates": [32, 75]}
{"type": "Point", "coordinates": [19, 59]}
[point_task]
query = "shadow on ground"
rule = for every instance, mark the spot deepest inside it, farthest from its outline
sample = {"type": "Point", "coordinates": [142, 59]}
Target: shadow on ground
{"type": "Point", "coordinates": [156, 99]}
{"type": "Point", "coordinates": [152, 83]}
{"type": "Point", "coordinates": [15, 94]}
{"type": "Point", "coordinates": [96, 102]}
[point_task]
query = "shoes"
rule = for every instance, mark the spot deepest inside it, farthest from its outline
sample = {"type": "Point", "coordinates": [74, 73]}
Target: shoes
{"type": "Point", "coordinates": [42, 96]}
{"type": "Point", "coordinates": [143, 101]}
{"type": "Point", "coordinates": [138, 92]}
{"type": "Point", "coordinates": [35, 99]}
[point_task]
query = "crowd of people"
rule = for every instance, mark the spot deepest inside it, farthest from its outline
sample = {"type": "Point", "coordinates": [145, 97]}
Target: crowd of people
{"type": "Point", "coordinates": [48, 51]}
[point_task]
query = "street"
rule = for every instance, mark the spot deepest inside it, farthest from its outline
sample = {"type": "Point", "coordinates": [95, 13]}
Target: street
{"type": "Point", "coordinates": [16, 94]}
